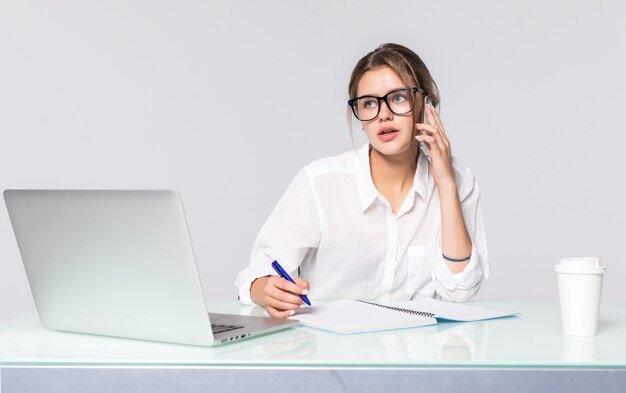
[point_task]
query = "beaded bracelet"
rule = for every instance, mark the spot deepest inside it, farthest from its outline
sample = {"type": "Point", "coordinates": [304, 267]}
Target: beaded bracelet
{"type": "Point", "coordinates": [456, 260]}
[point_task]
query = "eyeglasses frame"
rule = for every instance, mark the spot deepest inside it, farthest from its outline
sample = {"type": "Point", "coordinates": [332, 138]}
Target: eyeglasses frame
{"type": "Point", "coordinates": [380, 99]}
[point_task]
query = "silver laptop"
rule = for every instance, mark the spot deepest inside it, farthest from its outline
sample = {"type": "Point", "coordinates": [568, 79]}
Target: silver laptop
{"type": "Point", "coordinates": [119, 263]}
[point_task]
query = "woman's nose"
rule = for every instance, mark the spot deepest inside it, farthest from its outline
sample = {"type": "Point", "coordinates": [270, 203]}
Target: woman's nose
{"type": "Point", "coordinates": [385, 113]}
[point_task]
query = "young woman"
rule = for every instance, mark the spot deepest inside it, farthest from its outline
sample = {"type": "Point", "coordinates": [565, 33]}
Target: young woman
{"type": "Point", "coordinates": [382, 223]}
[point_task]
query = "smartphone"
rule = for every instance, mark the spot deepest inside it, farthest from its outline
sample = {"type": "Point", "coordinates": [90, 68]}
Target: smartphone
{"type": "Point", "coordinates": [424, 146]}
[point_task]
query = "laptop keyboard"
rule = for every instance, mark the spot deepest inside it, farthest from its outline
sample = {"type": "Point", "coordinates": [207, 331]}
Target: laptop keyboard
{"type": "Point", "coordinates": [220, 328]}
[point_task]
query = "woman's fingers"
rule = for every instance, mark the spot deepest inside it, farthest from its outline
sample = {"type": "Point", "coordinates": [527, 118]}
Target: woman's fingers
{"type": "Point", "coordinates": [432, 114]}
{"type": "Point", "coordinates": [283, 295]}
{"type": "Point", "coordinates": [278, 313]}
{"type": "Point", "coordinates": [285, 285]}
{"type": "Point", "coordinates": [282, 306]}
{"type": "Point", "coordinates": [435, 116]}
{"type": "Point", "coordinates": [278, 296]}
{"type": "Point", "coordinates": [435, 151]}
{"type": "Point", "coordinates": [434, 133]}
{"type": "Point", "coordinates": [286, 297]}
{"type": "Point", "coordinates": [302, 283]}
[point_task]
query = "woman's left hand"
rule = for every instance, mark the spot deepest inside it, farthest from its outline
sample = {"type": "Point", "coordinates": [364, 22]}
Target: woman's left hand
{"type": "Point", "coordinates": [440, 154]}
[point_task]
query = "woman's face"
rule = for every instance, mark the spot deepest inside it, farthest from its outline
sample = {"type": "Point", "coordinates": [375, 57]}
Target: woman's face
{"type": "Point", "coordinates": [390, 134]}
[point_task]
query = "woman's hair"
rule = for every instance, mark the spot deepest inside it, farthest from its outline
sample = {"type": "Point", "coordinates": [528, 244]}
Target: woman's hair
{"type": "Point", "coordinates": [409, 67]}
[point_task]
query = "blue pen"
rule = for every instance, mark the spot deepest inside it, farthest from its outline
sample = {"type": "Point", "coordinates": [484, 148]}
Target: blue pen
{"type": "Point", "coordinates": [281, 272]}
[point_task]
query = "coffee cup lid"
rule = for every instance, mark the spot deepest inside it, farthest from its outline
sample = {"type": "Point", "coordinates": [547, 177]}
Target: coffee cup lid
{"type": "Point", "coordinates": [586, 265]}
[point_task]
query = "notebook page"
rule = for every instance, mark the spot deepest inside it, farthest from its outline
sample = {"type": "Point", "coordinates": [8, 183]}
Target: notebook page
{"type": "Point", "coordinates": [452, 311]}
{"type": "Point", "coordinates": [351, 316]}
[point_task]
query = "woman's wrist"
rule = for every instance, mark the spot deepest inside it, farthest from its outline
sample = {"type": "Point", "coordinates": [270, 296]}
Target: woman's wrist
{"type": "Point", "coordinates": [256, 290]}
{"type": "Point", "coordinates": [447, 188]}
{"type": "Point", "coordinates": [456, 260]}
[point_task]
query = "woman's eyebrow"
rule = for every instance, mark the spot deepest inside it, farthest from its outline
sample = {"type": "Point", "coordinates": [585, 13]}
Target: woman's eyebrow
{"type": "Point", "coordinates": [374, 95]}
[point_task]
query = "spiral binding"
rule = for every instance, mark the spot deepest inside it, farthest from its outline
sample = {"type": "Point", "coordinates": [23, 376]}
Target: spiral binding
{"type": "Point", "coordinates": [404, 310]}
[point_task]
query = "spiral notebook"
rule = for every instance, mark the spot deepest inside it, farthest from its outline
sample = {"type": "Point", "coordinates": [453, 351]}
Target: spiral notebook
{"type": "Point", "coordinates": [357, 316]}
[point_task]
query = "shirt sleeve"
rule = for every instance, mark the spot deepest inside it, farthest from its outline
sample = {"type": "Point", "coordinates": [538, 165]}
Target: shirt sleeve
{"type": "Point", "coordinates": [462, 286]}
{"type": "Point", "coordinates": [288, 235]}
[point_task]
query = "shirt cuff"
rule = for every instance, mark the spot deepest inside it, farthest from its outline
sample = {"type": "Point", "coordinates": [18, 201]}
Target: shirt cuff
{"type": "Point", "coordinates": [461, 282]}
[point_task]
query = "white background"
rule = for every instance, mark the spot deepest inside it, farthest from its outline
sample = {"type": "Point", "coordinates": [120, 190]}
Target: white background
{"type": "Point", "coordinates": [226, 101]}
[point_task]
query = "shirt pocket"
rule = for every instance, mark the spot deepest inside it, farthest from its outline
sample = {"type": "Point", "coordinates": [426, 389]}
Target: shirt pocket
{"type": "Point", "coordinates": [420, 259]}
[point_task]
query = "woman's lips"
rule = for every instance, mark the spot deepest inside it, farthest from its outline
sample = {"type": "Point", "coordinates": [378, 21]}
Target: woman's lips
{"type": "Point", "coordinates": [387, 135]}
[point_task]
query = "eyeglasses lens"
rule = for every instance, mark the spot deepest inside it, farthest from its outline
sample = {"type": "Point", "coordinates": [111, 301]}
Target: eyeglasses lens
{"type": "Point", "coordinates": [366, 108]}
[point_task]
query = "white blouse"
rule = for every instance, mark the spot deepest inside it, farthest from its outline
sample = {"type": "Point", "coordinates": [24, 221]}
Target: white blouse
{"type": "Point", "coordinates": [335, 228]}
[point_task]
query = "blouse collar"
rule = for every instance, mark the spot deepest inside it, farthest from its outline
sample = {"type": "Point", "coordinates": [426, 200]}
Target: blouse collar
{"type": "Point", "coordinates": [368, 192]}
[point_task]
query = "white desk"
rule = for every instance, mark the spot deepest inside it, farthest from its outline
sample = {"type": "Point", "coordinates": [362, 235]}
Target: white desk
{"type": "Point", "coordinates": [525, 353]}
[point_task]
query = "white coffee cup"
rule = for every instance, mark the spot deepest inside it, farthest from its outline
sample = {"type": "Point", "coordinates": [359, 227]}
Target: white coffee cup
{"type": "Point", "coordinates": [580, 288]}
{"type": "Point", "coordinates": [579, 349]}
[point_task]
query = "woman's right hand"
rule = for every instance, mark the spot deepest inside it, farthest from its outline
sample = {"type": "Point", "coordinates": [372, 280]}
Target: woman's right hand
{"type": "Point", "coordinates": [278, 296]}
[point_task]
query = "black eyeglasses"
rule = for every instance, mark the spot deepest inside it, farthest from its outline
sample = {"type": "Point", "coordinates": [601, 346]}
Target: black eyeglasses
{"type": "Point", "coordinates": [366, 108]}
